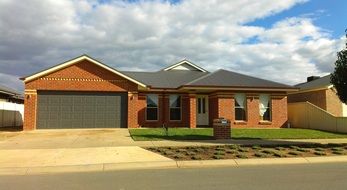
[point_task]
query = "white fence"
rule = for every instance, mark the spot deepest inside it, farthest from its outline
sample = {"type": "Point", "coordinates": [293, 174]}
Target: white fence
{"type": "Point", "coordinates": [309, 116]}
{"type": "Point", "coordinates": [11, 114]}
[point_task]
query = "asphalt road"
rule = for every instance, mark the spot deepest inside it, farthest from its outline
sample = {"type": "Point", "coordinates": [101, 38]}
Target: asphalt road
{"type": "Point", "coordinates": [305, 176]}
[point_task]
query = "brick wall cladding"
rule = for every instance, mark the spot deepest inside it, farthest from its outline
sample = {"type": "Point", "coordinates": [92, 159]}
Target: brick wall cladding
{"type": "Point", "coordinates": [224, 106]}
{"type": "Point", "coordinates": [164, 112]}
{"type": "Point", "coordinates": [82, 76]}
{"type": "Point", "coordinates": [325, 99]}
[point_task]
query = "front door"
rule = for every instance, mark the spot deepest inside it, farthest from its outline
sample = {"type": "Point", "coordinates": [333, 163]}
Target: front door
{"type": "Point", "coordinates": [202, 110]}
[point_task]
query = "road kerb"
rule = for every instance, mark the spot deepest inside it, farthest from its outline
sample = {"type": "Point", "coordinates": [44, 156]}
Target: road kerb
{"type": "Point", "coordinates": [206, 163]}
{"type": "Point", "coordinates": [65, 169]}
{"type": "Point", "coordinates": [322, 159]}
{"type": "Point", "coordinates": [266, 161]}
{"type": "Point", "coordinates": [139, 165]}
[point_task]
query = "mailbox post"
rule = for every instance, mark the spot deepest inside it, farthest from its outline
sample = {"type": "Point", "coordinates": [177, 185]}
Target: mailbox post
{"type": "Point", "coordinates": [221, 128]}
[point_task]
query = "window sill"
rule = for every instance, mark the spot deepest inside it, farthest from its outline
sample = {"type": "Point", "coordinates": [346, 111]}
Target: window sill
{"type": "Point", "coordinates": [240, 122]}
{"type": "Point", "coordinates": [265, 122]}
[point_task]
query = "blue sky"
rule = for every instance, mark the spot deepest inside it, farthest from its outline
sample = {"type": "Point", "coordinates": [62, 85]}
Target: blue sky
{"type": "Point", "coordinates": [328, 14]}
{"type": "Point", "coordinates": [280, 40]}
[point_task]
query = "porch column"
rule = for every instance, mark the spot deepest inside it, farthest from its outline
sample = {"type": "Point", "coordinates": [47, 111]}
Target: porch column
{"type": "Point", "coordinates": [132, 110]}
{"type": "Point", "coordinates": [192, 110]}
{"type": "Point", "coordinates": [30, 108]}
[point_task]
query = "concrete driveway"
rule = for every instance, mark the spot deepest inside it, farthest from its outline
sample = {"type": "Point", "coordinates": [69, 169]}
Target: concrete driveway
{"type": "Point", "coordinates": [65, 138]}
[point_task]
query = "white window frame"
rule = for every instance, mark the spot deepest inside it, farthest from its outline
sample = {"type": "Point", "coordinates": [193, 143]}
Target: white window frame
{"type": "Point", "coordinates": [180, 96]}
{"type": "Point", "coordinates": [266, 107]}
{"type": "Point", "coordinates": [152, 107]}
{"type": "Point", "coordinates": [239, 107]}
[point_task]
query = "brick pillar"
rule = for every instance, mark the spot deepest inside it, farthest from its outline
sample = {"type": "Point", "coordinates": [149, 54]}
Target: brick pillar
{"type": "Point", "coordinates": [192, 111]}
{"type": "Point", "coordinates": [132, 110]}
{"type": "Point", "coordinates": [30, 108]}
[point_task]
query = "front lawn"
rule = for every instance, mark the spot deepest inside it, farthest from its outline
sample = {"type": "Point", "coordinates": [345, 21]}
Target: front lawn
{"type": "Point", "coordinates": [206, 134]}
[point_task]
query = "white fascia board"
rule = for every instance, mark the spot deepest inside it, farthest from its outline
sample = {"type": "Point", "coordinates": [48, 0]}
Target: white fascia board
{"type": "Point", "coordinates": [187, 62]}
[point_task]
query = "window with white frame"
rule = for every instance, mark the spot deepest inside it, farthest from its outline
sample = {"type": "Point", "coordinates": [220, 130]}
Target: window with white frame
{"type": "Point", "coordinates": [265, 107]}
{"type": "Point", "coordinates": [175, 107]}
{"type": "Point", "coordinates": [240, 107]}
{"type": "Point", "coordinates": [152, 107]}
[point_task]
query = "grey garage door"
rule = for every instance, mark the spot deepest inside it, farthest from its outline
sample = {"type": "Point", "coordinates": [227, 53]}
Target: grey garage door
{"type": "Point", "coordinates": [64, 110]}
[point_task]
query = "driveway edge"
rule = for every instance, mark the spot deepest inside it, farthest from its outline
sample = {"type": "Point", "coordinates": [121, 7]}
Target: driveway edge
{"type": "Point", "coordinates": [169, 164]}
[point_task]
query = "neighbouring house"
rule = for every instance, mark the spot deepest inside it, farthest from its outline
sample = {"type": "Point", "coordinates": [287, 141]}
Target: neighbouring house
{"type": "Point", "coordinates": [9, 95]}
{"type": "Point", "coordinates": [11, 108]}
{"type": "Point", "coordinates": [320, 92]}
{"type": "Point", "coordinates": [85, 93]}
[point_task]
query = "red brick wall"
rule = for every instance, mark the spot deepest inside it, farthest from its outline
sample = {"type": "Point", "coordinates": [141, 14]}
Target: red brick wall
{"type": "Point", "coordinates": [223, 105]}
{"type": "Point", "coordinates": [82, 76]}
{"type": "Point", "coordinates": [164, 111]}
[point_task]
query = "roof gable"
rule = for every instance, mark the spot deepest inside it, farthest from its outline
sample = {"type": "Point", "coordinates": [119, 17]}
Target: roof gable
{"type": "Point", "coordinates": [321, 83]}
{"type": "Point", "coordinates": [184, 65]}
{"type": "Point", "coordinates": [75, 61]}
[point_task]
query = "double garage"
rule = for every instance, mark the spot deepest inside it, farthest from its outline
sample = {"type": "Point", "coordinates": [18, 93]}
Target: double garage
{"type": "Point", "coordinates": [68, 109]}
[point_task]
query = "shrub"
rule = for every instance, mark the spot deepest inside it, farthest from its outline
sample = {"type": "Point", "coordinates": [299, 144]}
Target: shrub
{"type": "Point", "coordinates": [256, 147]}
{"type": "Point", "coordinates": [319, 149]}
{"type": "Point", "coordinates": [279, 154]}
{"type": "Point", "coordinates": [243, 149]}
{"type": "Point", "coordinates": [190, 153]}
{"type": "Point", "coordinates": [217, 157]}
{"type": "Point", "coordinates": [259, 154]}
{"type": "Point", "coordinates": [295, 153]}
{"type": "Point", "coordinates": [240, 155]}
{"type": "Point", "coordinates": [231, 151]}
{"type": "Point", "coordinates": [178, 156]}
{"type": "Point", "coordinates": [303, 150]}
{"type": "Point", "coordinates": [267, 151]}
{"type": "Point", "coordinates": [220, 149]}
{"type": "Point", "coordinates": [320, 153]}
{"type": "Point", "coordinates": [337, 152]}
{"type": "Point", "coordinates": [196, 158]}
{"type": "Point", "coordinates": [337, 149]}
{"type": "Point", "coordinates": [233, 146]}
{"type": "Point", "coordinates": [219, 153]}
{"type": "Point", "coordinates": [167, 152]}
{"type": "Point", "coordinates": [294, 147]}
{"type": "Point", "coordinates": [280, 148]}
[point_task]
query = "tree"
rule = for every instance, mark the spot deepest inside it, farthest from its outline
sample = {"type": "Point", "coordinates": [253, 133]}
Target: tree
{"type": "Point", "coordinates": [339, 77]}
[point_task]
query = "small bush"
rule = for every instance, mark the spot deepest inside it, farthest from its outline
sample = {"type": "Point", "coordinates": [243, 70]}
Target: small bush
{"type": "Point", "coordinates": [234, 146]}
{"type": "Point", "coordinates": [178, 156]}
{"type": "Point", "coordinates": [319, 149]}
{"type": "Point", "coordinates": [256, 147]}
{"type": "Point", "coordinates": [260, 155]}
{"type": "Point", "coordinates": [280, 148]}
{"type": "Point", "coordinates": [266, 151]}
{"type": "Point", "coordinates": [243, 149]}
{"type": "Point", "coordinates": [279, 154]}
{"type": "Point", "coordinates": [217, 157]}
{"type": "Point", "coordinates": [294, 147]}
{"type": "Point", "coordinates": [303, 150]}
{"type": "Point", "coordinates": [196, 158]}
{"type": "Point", "coordinates": [167, 152]}
{"type": "Point", "coordinates": [295, 153]}
{"type": "Point", "coordinates": [220, 149]}
{"type": "Point", "coordinates": [219, 153]}
{"type": "Point", "coordinates": [320, 153]}
{"type": "Point", "coordinates": [337, 149]}
{"type": "Point", "coordinates": [242, 156]}
{"type": "Point", "coordinates": [231, 151]}
{"type": "Point", "coordinates": [337, 152]}
{"type": "Point", "coordinates": [190, 153]}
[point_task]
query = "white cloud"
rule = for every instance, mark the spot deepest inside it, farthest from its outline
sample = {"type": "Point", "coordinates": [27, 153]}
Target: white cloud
{"type": "Point", "coordinates": [148, 35]}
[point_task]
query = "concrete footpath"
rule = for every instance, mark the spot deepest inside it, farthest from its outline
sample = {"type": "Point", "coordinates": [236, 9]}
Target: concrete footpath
{"type": "Point", "coordinates": [165, 164]}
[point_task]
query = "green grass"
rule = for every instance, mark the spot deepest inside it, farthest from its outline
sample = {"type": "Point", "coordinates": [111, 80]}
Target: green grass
{"type": "Point", "coordinates": [207, 133]}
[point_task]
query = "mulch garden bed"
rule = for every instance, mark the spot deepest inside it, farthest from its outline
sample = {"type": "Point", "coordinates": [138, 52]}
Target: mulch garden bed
{"type": "Point", "coordinates": [256, 151]}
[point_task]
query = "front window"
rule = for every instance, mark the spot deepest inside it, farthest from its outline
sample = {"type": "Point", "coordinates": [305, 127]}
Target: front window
{"type": "Point", "coordinates": [265, 107]}
{"type": "Point", "coordinates": [240, 107]}
{"type": "Point", "coordinates": [152, 107]}
{"type": "Point", "coordinates": [175, 107]}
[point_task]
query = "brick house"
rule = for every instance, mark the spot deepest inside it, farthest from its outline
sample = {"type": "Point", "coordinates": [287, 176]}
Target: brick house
{"type": "Point", "coordinates": [85, 93]}
{"type": "Point", "coordinates": [320, 92]}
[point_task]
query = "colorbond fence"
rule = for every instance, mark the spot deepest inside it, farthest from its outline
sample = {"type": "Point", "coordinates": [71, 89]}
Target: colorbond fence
{"type": "Point", "coordinates": [308, 116]}
{"type": "Point", "coordinates": [11, 114]}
